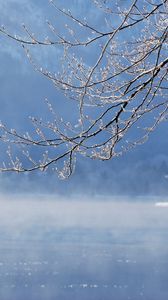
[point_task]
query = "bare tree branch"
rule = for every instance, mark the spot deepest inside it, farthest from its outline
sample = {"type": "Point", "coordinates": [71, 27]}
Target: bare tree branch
{"type": "Point", "coordinates": [122, 88]}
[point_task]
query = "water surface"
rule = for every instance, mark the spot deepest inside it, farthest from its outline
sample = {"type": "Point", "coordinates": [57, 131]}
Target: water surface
{"type": "Point", "coordinates": [83, 250]}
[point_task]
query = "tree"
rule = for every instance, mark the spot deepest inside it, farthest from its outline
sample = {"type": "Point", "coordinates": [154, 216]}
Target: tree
{"type": "Point", "coordinates": [116, 72]}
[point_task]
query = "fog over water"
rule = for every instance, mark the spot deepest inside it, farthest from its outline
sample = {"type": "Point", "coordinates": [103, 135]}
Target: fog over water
{"type": "Point", "coordinates": [62, 249]}
{"type": "Point", "coordinates": [24, 211]}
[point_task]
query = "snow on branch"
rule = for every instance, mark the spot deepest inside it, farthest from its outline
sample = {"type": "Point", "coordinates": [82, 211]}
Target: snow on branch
{"type": "Point", "coordinates": [117, 76]}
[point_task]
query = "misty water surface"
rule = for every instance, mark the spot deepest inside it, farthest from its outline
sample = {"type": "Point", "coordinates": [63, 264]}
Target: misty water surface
{"type": "Point", "coordinates": [51, 249]}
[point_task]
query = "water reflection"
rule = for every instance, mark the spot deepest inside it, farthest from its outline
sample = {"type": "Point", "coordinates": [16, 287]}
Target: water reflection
{"type": "Point", "coordinates": [71, 250]}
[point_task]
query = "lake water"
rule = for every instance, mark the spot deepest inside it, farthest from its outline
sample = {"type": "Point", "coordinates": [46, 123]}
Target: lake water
{"type": "Point", "coordinates": [83, 250]}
